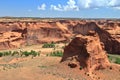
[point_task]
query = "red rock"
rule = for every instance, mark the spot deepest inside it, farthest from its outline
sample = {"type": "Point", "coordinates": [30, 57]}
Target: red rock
{"type": "Point", "coordinates": [87, 51]}
{"type": "Point", "coordinates": [27, 32]}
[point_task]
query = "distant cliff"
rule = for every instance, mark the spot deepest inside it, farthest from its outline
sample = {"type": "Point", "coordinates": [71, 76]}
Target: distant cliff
{"type": "Point", "coordinates": [14, 34]}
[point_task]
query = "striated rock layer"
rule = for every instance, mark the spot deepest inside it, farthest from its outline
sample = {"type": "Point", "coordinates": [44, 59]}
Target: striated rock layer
{"type": "Point", "coordinates": [86, 52]}
{"type": "Point", "coordinates": [17, 33]}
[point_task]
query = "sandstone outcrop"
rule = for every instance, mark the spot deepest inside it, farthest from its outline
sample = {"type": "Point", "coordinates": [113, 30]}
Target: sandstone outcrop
{"type": "Point", "coordinates": [17, 33]}
{"type": "Point", "coordinates": [86, 52]}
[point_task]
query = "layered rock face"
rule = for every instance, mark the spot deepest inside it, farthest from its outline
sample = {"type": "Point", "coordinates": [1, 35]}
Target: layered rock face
{"type": "Point", "coordinates": [109, 34]}
{"type": "Point", "coordinates": [86, 52]}
{"type": "Point", "coordinates": [17, 33]}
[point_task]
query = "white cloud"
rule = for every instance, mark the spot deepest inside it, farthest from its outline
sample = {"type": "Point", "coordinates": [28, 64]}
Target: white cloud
{"type": "Point", "coordinates": [114, 3]}
{"type": "Point", "coordinates": [98, 3]}
{"type": "Point", "coordinates": [42, 7]}
{"type": "Point", "coordinates": [57, 8]}
{"type": "Point", "coordinates": [117, 8]}
{"type": "Point", "coordinates": [71, 5]}
{"type": "Point", "coordinates": [76, 5]}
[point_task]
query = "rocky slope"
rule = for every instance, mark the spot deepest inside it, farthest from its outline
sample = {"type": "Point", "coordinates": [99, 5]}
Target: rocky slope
{"type": "Point", "coordinates": [17, 33]}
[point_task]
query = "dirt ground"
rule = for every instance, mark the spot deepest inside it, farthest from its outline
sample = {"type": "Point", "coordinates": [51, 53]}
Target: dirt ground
{"type": "Point", "coordinates": [49, 68]}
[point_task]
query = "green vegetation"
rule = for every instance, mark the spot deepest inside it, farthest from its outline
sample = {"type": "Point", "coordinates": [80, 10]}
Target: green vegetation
{"type": "Point", "coordinates": [33, 53]}
{"type": "Point", "coordinates": [49, 45]}
{"type": "Point", "coordinates": [22, 53]}
{"type": "Point", "coordinates": [117, 61]}
{"type": "Point", "coordinates": [1, 54]}
{"type": "Point", "coordinates": [7, 53]}
{"type": "Point", "coordinates": [56, 53]}
{"type": "Point", "coordinates": [26, 53]}
{"type": "Point", "coordinates": [114, 58]}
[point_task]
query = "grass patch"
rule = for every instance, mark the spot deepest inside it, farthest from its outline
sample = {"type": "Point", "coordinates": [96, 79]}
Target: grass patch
{"type": "Point", "coordinates": [56, 53]}
{"type": "Point", "coordinates": [114, 58]}
{"type": "Point", "coordinates": [117, 61]}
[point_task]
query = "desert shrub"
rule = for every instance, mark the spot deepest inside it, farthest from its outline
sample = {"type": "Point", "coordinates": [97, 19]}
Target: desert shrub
{"type": "Point", "coordinates": [49, 45]}
{"type": "Point", "coordinates": [1, 54]}
{"type": "Point", "coordinates": [117, 61]}
{"type": "Point", "coordinates": [26, 53]}
{"type": "Point", "coordinates": [33, 53]}
{"type": "Point", "coordinates": [7, 53]}
{"type": "Point", "coordinates": [39, 53]}
{"type": "Point", "coordinates": [56, 53]}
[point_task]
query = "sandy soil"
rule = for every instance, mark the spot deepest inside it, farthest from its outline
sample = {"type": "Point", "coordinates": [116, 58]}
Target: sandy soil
{"type": "Point", "coordinates": [49, 68]}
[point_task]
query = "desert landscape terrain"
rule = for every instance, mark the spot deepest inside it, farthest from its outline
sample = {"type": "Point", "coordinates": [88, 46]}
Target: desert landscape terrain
{"type": "Point", "coordinates": [59, 49]}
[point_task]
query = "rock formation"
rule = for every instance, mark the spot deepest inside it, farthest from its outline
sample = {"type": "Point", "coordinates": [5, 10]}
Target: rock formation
{"type": "Point", "coordinates": [86, 52]}
{"type": "Point", "coordinates": [16, 33]}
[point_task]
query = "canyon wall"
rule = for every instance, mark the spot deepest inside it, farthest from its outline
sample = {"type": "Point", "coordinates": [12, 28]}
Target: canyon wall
{"type": "Point", "coordinates": [15, 34]}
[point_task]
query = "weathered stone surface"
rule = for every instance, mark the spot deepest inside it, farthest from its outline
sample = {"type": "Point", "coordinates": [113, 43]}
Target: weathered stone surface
{"type": "Point", "coordinates": [88, 51]}
{"type": "Point", "coordinates": [19, 33]}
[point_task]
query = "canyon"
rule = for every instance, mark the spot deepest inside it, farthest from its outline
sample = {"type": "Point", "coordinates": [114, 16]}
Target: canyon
{"type": "Point", "coordinates": [84, 49]}
{"type": "Point", "coordinates": [17, 33]}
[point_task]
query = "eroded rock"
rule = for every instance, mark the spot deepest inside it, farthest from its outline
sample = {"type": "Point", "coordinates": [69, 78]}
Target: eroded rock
{"type": "Point", "coordinates": [87, 51]}
{"type": "Point", "coordinates": [14, 34]}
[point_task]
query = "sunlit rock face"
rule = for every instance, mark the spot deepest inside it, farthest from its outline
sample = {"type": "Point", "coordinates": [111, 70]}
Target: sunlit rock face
{"type": "Point", "coordinates": [86, 52]}
{"type": "Point", "coordinates": [14, 34]}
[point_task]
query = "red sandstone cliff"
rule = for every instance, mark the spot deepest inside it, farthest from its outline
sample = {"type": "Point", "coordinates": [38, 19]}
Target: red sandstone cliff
{"type": "Point", "coordinates": [19, 33]}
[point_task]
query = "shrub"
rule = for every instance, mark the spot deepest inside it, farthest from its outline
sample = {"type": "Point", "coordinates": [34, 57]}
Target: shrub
{"type": "Point", "coordinates": [7, 53]}
{"type": "Point", "coordinates": [49, 45]}
{"type": "Point", "coordinates": [34, 53]}
{"type": "Point", "coordinates": [1, 54]}
{"type": "Point", "coordinates": [117, 61]}
{"type": "Point", "coordinates": [26, 53]}
{"type": "Point", "coordinates": [56, 53]}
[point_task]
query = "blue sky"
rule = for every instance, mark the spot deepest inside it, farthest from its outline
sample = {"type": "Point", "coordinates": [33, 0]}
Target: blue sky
{"type": "Point", "coordinates": [61, 8]}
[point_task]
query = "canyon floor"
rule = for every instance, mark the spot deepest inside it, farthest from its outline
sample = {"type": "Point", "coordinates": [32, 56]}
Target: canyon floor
{"type": "Point", "coordinates": [48, 67]}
